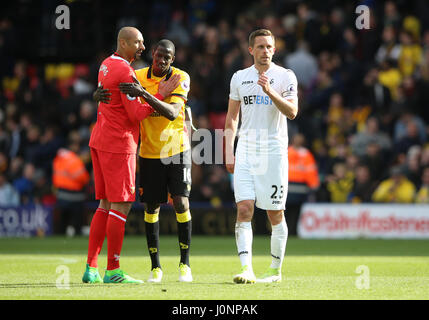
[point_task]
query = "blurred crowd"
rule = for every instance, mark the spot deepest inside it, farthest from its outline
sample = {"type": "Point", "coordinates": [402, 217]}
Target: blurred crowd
{"type": "Point", "coordinates": [363, 94]}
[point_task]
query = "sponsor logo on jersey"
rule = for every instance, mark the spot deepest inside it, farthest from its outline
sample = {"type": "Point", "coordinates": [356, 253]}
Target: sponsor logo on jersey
{"type": "Point", "coordinates": [247, 82]}
{"type": "Point", "coordinates": [257, 99]}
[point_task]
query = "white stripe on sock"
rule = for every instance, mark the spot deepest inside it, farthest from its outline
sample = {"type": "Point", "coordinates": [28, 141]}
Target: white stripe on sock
{"type": "Point", "coordinates": [117, 216]}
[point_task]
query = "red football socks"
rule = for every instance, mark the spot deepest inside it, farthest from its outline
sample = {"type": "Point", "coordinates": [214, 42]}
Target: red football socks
{"type": "Point", "coordinates": [115, 235]}
{"type": "Point", "coordinates": [97, 233]}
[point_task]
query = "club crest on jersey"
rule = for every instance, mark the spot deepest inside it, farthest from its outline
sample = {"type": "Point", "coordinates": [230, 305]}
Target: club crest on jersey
{"type": "Point", "coordinates": [103, 69]}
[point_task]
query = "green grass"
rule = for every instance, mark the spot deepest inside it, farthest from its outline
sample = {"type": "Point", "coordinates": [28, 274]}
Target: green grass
{"type": "Point", "coordinates": [313, 269]}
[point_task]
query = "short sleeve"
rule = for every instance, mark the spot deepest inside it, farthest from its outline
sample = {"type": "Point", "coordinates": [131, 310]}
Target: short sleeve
{"type": "Point", "coordinates": [290, 86]}
{"type": "Point", "coordinates": [233, 91]}
{"type": "Point", "coordinates": [182, 89]}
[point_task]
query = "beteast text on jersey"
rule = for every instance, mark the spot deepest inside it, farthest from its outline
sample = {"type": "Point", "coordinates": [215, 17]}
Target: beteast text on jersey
{"type": "Point", "coordinates": [257, 99]}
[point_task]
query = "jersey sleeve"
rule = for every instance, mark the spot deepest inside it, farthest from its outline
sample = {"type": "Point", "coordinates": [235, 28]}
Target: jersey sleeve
{"type": "Point", "coordinates": [233, 91]}
{"type": "Point", "coordinates": [290, 86]}
{"type": "Point", "coordinates": [136, 110]}
{"type": "Point", "coordinates": [180, 94]}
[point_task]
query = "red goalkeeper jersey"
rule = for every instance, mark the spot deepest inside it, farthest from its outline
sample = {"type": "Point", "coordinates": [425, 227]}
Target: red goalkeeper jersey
{"type": "Point", "coordinates": [117, 126]}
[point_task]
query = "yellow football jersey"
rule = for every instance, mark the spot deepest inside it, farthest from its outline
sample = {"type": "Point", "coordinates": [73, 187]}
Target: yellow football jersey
{"type": "Point", "coordinates": [160, 137]}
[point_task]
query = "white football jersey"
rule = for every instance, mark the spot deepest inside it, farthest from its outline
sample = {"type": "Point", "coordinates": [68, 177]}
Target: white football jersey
{"type": "Point", "coordinates": [263, 127]}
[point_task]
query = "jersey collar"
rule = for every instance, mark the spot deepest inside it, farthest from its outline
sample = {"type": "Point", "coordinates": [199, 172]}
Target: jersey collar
{"type": "Point", "coordinates": [272, 65]}
{"type": "Point", "coordinates": [169, 73]}
{"type": "Point", "coordinates": [115, 55]}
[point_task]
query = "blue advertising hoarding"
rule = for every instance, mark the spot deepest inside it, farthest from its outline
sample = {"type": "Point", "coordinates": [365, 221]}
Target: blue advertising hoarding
{"type": "Point", "coordinates": [25, 221]}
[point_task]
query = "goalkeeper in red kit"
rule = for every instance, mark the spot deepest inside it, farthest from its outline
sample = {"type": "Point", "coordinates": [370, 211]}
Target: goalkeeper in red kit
{"type": "Point", "coordinates": [113, 145]}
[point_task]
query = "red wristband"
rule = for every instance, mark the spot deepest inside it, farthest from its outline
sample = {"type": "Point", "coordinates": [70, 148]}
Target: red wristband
{"type": "Point", "coordinates": [159, 96]}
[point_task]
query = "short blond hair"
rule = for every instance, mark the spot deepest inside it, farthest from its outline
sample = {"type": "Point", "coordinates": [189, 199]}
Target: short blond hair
{"type": "Point", "coordinates": [257, 33]}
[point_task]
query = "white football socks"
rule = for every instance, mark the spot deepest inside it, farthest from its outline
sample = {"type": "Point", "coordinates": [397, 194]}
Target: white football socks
{"type": "Point", "coordinates": [244, 239]}
{"type": "Point", "coordinates": [279, 236]}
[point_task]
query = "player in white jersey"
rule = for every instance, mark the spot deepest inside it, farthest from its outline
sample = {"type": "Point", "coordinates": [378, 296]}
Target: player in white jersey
{"type": "Point", "coordinates": [266, 94]}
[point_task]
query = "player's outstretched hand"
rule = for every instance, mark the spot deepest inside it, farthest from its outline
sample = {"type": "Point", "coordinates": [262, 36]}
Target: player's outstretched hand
{"type": "Point", "coordinates": [133, 89]}
{"type": "Point", "coordinates": [166, 87]}
{"type": "Point", "coordinates": [101, 95]}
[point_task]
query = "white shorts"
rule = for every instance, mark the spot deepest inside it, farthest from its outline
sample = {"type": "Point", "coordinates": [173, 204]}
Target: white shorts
{"type": "Point", "coordinates": [263, 179]}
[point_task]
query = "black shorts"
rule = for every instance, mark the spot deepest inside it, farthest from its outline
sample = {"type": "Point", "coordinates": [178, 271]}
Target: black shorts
{"type": "Point", "coordinates": [158, 177]}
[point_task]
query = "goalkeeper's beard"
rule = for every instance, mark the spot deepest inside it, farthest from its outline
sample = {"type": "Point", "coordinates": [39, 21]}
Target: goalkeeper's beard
{"type": "Point", "coordinates": [137, 55]}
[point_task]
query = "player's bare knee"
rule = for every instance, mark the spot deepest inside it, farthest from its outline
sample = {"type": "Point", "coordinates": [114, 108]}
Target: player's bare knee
{"type": "Point", "coordinates": [152, 208]}
{"type": "Point", "coordinates": [104, 204]}
{"type": "Point", "coordinates": [275, 216]}
{"type": "Point", "coordinates": [181, 204]}
{"type": "Point", "coordinates": [245, 210]}
{"type": "Point", "coordinates": [122, 207]}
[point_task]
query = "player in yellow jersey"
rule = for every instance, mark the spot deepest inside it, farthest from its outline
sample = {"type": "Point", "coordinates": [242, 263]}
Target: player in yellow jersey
{"type": "Point", "coordinates": [165, 155]}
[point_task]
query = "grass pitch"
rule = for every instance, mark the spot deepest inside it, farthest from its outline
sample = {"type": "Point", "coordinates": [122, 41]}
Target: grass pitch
{"type": "Point", "coordinates": [38, 268]}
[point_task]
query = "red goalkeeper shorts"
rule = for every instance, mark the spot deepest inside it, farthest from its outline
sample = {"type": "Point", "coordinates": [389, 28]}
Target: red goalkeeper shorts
{"type": "Point", "coordinates": [114, 176]}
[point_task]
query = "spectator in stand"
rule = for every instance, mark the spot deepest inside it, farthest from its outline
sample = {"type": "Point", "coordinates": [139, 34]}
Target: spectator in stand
{"type": "Point", "coordinates": [401, 125]}
{"type": "Point", "coordinates": [303, 180]}
{"type": "Point", "coordinates": [340, 183]}
{"type": "Point", "coordinates": [25, 185]}
{"type": "Point", "coordinates": [411, 54]}
{"type": "Point", "coordinates": [389, 49]}
{"type": "Point", "coordinates": [371, 133]}
{"type": "Point", "coordinates": [363, 185]}
{"type": "Point", "coordinates": [70, 178]}
{"type": "Point", "coordinates": [375, 161]}
{"type": "Point", "coordinates": [424, 158]}
{"type": "Point", "coordinates": [412, 168]}
{"type": "Point", "coordinates": [423, 193]}
{"type": "Point", "coordinates": [16, 136]}
{"type": "Point", "coordinates": [374, 93]}
{"type": "Point", "coordinates": [9, 197]}
{"type": "Point", "coordinates": [390, 77]}
{"type": "Point", "coordinates": [396, 189]}
{"type": "Point", "coordinates": [15, 168]}
{"type": "Point", "coordinates": [411, 138]}
{"type": "Point", "coordinates": [303, 63]}
{"type": "Point", "coordinates": [391, 15]}
{"type": "Point", "coordinates": [215, 186]}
